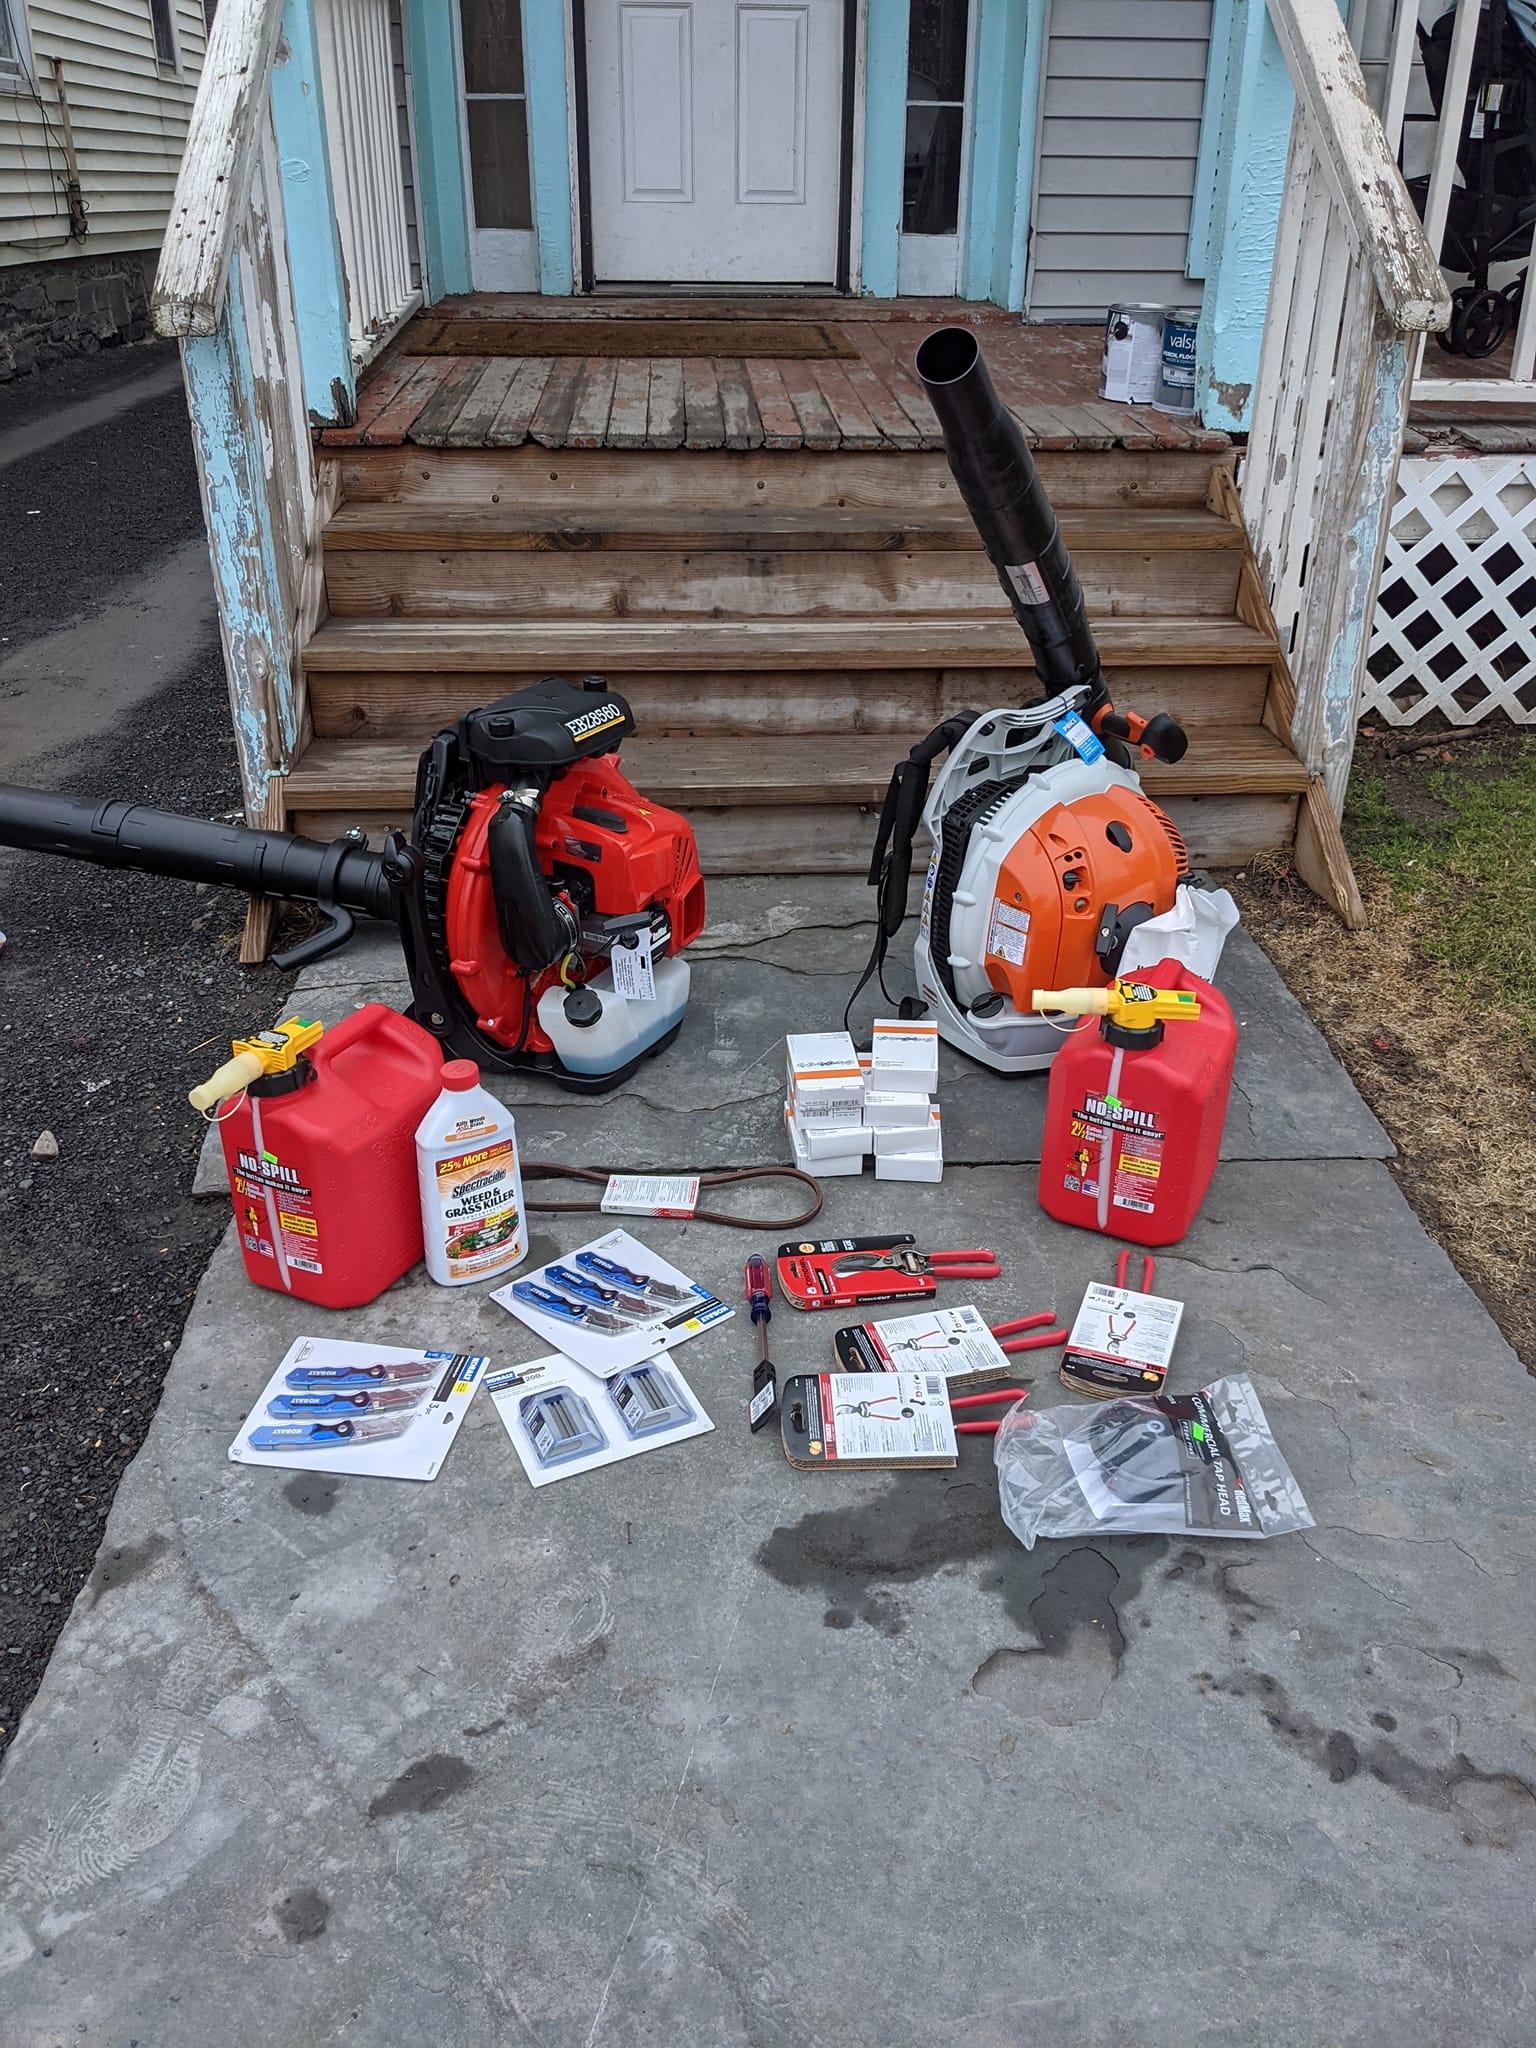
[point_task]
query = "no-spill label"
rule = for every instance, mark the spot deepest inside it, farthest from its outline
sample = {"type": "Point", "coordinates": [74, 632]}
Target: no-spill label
{"type": "Point", "coordinates": [651, 1194]}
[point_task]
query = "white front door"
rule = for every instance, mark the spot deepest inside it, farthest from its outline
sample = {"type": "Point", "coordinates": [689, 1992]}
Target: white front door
{"type": "Point", "coordinates": [714, 138]}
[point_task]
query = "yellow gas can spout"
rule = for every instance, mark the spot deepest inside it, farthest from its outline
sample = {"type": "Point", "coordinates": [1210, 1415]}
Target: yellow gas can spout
{"type": "Point", "coordinates": [269, 1052]}
{"type": "Point", "coordinates": [1135, 1004]}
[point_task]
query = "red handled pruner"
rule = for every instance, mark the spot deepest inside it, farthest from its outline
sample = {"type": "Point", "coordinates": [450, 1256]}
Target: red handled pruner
{"type": "Point", "coordinates": [975, 1265]}
{"type": "Point", "coordinates": [957, 1402]}
{"type": "Point", "coordinates": [1007, 1334]}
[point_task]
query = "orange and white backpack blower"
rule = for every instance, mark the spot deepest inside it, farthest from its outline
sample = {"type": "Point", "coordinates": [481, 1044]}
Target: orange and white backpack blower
{"type": "Point", "coordinates": [1046, 853]}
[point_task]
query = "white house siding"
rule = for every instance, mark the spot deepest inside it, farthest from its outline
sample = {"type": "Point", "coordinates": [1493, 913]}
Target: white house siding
{"type": "Point", "coordinates": [1124, 83]}
{"type": "Point", "coordinates": [129, 119]}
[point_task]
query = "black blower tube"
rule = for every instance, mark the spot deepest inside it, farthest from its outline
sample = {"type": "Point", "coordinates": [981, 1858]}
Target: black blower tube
{"type": "Point", "coordinates": [990, 461]}
{"type": "Point", "coordinates": [117, 835]}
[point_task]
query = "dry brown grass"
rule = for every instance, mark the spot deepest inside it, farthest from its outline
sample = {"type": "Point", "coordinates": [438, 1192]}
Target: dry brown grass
{"type": "Point", "coordinates": [1450, 1079]}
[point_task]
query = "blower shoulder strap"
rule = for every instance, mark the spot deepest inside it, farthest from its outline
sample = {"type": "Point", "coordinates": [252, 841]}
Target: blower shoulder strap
{"type": "Point", "coordinates": [890, 866]}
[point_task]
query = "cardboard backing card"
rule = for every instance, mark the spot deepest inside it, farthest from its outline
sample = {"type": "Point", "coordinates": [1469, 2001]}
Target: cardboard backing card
{"type": "Point", "coordinates": [880, 1422]}
{"type": "Point", "coordinates": [953, 1341]}
{"type": "Point", "coordinates": [1121, 1342]}
{"type": "Point", "coordinates": [511, 1390]}
{"type": "Point", "coordinates": [606, 1353]}
{"type": "Point", "coordinates": [417, 1453]}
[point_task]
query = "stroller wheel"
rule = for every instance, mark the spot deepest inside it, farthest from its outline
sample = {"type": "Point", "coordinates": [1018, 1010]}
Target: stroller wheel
{"type": "Point", "coordinates": [1478, 326]}
{"type": "Point", "coordinates": [1449, 337]}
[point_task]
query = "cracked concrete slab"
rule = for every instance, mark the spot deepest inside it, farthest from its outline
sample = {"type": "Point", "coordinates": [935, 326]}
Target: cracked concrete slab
{"type": "Point", "coordinates": [783, 954]}
{"type": "Point", "coordinates": [705, 1749]}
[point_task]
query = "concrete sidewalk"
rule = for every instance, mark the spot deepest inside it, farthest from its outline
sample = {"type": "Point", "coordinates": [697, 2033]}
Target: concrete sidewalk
{"type": "Point", "coordinates": [707, 1750]}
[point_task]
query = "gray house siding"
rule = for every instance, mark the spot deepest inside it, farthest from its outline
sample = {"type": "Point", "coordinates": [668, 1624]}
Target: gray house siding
{"type": "Point", "coordinates": [1124, 83]}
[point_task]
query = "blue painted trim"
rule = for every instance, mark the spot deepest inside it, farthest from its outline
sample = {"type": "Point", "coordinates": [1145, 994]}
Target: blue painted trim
{"type": "Point", "coordinates": [1202, 205]}
{"type": "Point", "coordinates": [885, 144]}
{"type": "Point", "coordinates": [309, 211]}
{"type": "Point", "coordinates": [999, 134]}
{"type": "Point", "coordinates": [442, 214]}
{"type": "Point", "coordinates": [1012, 263]}
{"type": "Point", "coordinates": [549, 141]}
{"type": "Point", "coordinates": [257, 635]}
{"type": "Point", "coordinates": [1252, 139]}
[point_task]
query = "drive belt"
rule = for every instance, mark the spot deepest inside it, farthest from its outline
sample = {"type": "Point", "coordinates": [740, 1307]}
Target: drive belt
{"type": "Point", "coordinates": [599, 1176]}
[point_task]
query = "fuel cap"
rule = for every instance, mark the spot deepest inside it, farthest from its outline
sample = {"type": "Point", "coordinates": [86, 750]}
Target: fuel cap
{"type": "Point", "coordinates": [583, 1007]}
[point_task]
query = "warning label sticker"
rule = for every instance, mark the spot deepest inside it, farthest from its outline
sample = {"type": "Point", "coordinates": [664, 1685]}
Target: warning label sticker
{"type": "Point", "coordinates": [1010, 932]}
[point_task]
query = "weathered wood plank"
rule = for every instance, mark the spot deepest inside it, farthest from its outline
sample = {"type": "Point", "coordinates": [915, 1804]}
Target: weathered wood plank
{"type": "Point", "coordinates": [756, 583]}
{"type": "Point", "coordinates": [552, 416]}
{"type": "Point", "coordinates": [818, 425]}
{"type": "Point", "coordinates": [703, 415]}
{"type": "Point", "coordinates": [893, 361]}
{"type": "Point", "coordinates": [694, 643]}
{"type": "Point", "coordinates": [854, 424]}
{"type": "Point", "coordinates": [630, 411]}
{"type": "Point", "coordinates": [389, 425]}
{"type": "Point", "coordinates": [213, 185]}
{"type": "Point", "coordinates": [665, 420]}
{"type": "Point", "coordinates": [455, 380]}
{"type": "Point", "coordinates": [594, 403]}
{"type": "Point", "coordinates": [509, 428]}
{"type": "Point", "coordinates": [743, 426]}
{"type": "Point", "coordinates": [387, 382]}
{"type": "Point", "coordinates": [781, 425]}
{"type": "Point", "coordinates": [516, 529]}
{"type": "Point", "coordinates": [482, 403]}
{"type": "Point", "coordinates": [593, 479]}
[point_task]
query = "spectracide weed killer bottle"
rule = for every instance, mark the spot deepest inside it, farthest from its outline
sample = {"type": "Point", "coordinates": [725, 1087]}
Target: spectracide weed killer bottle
{"type": "Point", "coordinates": [1134, 1114]}
{"type": "Point", "coordinates": [317, 1142]}
{"type": "Point", "coordinates": [471, 1185]}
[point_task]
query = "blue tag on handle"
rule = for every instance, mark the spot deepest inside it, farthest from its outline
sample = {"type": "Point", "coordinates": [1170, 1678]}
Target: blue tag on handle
{"type": "Point", "coordinates": [1080, 737]}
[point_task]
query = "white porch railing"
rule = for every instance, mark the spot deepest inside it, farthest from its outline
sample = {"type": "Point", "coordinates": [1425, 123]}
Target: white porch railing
{"type": "Point", "coordinates": [1355, 286]}
{"type": "Point", "coordinates": [1498, 322]}
{"type": "Point", "coordinates": [356, 68]}
{"type": "Point", "coordinates": [285, 265]}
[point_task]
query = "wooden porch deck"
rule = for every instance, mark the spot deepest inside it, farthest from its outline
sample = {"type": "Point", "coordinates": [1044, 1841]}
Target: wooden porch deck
{"type": "Point", "coordinates": [864, 401]}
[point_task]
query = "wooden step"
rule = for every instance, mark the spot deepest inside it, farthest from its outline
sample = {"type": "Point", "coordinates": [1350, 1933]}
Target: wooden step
{"type": "Point", "coordinates": [516, 529]}
{"type": "Point", "coordinates": [413, 704]}
{"type": "Point", "coordinates": [583, 646]}
{"type": "Point", "coordinates": [599, 480]}
{"type": "Point", "coordinates": [837, 768]}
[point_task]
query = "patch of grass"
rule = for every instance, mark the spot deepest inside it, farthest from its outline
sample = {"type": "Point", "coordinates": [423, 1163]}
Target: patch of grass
{"type": "Point", "coordinates": [1455, 837]}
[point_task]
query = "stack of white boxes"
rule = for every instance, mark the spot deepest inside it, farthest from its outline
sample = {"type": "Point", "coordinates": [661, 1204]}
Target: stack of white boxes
{"type": "Point", "coordinates": [898, 1108]}
{"type": "Point", "coordinates": [841, 1106]}
{"type": "Point", "coordinates": [824, 1103]}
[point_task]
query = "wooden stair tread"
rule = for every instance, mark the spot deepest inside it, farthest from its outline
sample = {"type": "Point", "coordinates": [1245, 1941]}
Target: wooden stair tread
{"type": "Point", "coordinates": [514, 529]}
{"type": "Point", "coordinates": [585, 646]}
{"type": "Point", "coordinates": [820, 768]}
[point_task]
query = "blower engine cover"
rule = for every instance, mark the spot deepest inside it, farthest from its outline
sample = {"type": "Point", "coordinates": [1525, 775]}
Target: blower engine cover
{"type": "Point", "coordinates": [1042, 865]}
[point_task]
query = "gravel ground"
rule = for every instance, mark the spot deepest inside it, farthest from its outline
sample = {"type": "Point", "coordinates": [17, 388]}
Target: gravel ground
{"type": "Point", "coordinates": [115, 992]}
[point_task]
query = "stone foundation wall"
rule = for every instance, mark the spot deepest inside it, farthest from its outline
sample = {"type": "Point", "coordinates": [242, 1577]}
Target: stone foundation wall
{"type": "Point", "coordinates": [71, 307]}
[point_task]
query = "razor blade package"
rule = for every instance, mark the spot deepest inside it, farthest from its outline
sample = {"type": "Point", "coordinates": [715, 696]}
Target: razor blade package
{"type": "Point", "coordinates": [364, 1409]}
{"type": "Point", "coordinates": [612, 1304]}
{"type": "Point", "coordinates": [563, 1419]}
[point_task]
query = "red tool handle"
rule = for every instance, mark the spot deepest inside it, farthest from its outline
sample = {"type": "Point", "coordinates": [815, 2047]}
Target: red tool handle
{"type": "Point", "coordinates": [1047, 1340]}
{"type": "Point", "coordinates": [937, 1259]}
{"type": "Point", "coordinates": [1148, 1269]}
{"type": "Point", "coordinates": [1009, 1394]}
{"type": "Point", "coordinates": [992, 1272]}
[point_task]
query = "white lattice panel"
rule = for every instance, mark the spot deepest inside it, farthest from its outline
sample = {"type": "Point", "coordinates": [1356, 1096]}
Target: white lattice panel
{"type": "Point", "coordinates": [1455, 628]}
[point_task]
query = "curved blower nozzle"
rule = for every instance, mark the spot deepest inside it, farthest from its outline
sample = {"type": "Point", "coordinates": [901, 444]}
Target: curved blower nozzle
{"type": "Point", "coordinates": [990, 461]}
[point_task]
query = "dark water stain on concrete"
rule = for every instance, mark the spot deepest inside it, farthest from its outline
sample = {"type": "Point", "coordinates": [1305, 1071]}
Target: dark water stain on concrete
{"type": "Point", "coordinates": [1481, 1661]}
{"type": "Point", "coordinates": [312, 1493]}
{"type": "Point", "coordinates": [302, 1915]}
{"type": "Point", "coordinates": [422, 1786]}
{"type": "Point", "coordinates": [122, 1566]}
{"type": "Point", "coordinates": [489, 1728]}
{"type": "Point", "coordinates": [1490, 1809]}
{"type": "Point", "coordinates": [1064, 1678]}
{"type": "Point", "coordinates": [1386, 1721]}
{"type": "Point", "coordinates": [928, 1524]}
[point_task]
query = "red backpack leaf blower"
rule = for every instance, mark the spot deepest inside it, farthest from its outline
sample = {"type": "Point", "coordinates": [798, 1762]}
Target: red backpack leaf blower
{"type": "Point", "coordinates": [530, 858]}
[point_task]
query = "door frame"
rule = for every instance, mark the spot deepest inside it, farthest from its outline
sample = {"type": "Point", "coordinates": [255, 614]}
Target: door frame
{"type": "Point", "coordinates": [586, 282]}
{"type": "Point", "coordinates": [511, 247]}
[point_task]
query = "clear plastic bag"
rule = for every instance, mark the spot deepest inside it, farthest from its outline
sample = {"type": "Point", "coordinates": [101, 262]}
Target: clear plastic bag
{"type": "Point", "coordinates": [1194, 932]}
{"type": "Point", "coordinates": [1203, 1464]}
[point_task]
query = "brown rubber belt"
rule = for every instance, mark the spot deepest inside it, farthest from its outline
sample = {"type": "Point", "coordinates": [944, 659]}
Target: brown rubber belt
{"type": "Point", "coordinates": [547, 1169]}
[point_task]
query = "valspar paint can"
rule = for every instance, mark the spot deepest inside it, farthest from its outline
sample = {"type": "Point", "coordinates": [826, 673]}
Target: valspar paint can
{"type": "Point", "coordinates": [1133, 349]}
{"type": "Point", "coordinates": [1176, 380]}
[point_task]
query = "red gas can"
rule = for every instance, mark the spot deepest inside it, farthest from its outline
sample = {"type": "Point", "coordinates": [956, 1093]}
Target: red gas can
{"type": "Point", "coordinates": [322, 1161]}
{"type": "Point", "coordinates": [1137, 1101]}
